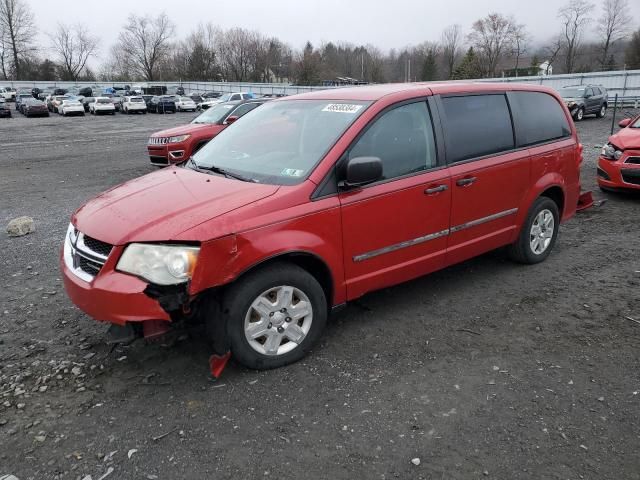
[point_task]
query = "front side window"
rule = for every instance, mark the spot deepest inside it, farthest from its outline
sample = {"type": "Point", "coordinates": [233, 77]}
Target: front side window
{"type": "Point", "coordinates": [402, 138]}
{"type": "Point", "coordinates": [281, 142]}
{"type": "Point", "coordinates": [588, 92]}
{"type": "Point", "coordinates": [538, 118]}
{"type": "Point", "coordinates": [476, 125]}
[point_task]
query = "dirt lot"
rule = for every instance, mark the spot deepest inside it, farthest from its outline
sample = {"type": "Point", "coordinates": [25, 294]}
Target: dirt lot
{"type": "Point", "coordinates": [485, 370]}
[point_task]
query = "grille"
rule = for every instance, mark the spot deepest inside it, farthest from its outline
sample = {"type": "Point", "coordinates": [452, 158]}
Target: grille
{"type": "Point", "coordinates": [633, 160]}
{"type": "Point", "coordinates": [632, 177]}
{"type": "Point", "coordinates": [89, 266]}
{"type": "Point", "coordinates": [85, 255]}
{"type": "Point", "coordinates": [97, 246]}
{"type": "Point", "coordinates": [603, 174]}
{"type": "Point", "coordinates": [158, 140]}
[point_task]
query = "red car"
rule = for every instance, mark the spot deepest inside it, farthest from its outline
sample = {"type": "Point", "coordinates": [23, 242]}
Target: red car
{"type": "Point", "coordinates": [619, 162]}
{"type": "Point", "coordinates": [316, 199]}
{"type": "Point", "coordinates": [177, 144]}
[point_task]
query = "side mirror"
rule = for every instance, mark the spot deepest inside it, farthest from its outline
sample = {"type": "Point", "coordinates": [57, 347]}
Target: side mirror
{"type": "Point", "coordinates": [624, 122]}
{"type": "Point", "coordinates": [361, 171]}
{"type": "Point", "coordinates": [230, 119]}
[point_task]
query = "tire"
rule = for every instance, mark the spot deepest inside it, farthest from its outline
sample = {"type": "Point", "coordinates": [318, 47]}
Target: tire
{"type": "Point", "coordinates": [602, 112]}
{"type": "Point", "coordinates": [273, 282]}
{"type": "Point", "coordinates": [579, 114]}
{"type": "Point", "coordinates": [522, 250]}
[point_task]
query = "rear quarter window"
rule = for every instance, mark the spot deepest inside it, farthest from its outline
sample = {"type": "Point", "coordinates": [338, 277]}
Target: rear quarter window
{"type": "Point", "coordinates": [476, 125]}
{"type": "Point", "coordinates": [538, 118]}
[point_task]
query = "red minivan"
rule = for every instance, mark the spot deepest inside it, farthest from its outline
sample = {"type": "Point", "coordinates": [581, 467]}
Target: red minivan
{"type": "Point", "coordinates": [311, 201]}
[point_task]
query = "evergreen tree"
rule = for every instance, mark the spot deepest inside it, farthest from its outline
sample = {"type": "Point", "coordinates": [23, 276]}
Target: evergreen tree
{"type": "Point", "coordinates": [632, 53]}
{"type": "Point", "coordinates": [468, 67]}
{"type": "Point", "coordinates": [429, 67]}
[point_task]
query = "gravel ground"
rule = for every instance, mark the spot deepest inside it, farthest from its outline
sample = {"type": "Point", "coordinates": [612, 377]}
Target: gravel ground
{"type": "Point", "coordinates": [484, 370]}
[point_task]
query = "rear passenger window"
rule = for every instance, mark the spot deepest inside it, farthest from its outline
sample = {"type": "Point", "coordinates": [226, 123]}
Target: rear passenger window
{"type": "Point", "coordinates": [538, 118]}
{"type": "Point", "coordinates": [402, 138]}
{"type": "Point", "coordinates": [235, 97]}
{"type": "Point", "coordinates": [476, 125]}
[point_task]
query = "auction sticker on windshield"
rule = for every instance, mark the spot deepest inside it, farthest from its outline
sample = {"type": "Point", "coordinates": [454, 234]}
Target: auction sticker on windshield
{"type": "Point", "coordinates": [342, 108]}
{"type": "Point", "coordinates": [292, 172]}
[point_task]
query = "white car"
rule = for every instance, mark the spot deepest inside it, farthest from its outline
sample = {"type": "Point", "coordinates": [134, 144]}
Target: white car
{"type": "Point", "coordinates": [185, 104]}
{"type": "Point", "coordinates": [102, 105]}
{"type": "Point", "coordinates": [133, 104]}
{"type": "Point", "coordinates": [227, 97]}
{"type": "Point", "coordinates": [71, 107]}
{"type": "Point", "coordinates": [8, 93]}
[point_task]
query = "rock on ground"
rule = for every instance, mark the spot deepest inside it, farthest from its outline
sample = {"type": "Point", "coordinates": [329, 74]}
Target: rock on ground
{"type": "Point", "coordinates": [21, 226]}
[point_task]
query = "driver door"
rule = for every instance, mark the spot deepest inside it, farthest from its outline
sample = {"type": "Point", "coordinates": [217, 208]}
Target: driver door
{"type": "Point", "coordinates": [396, 229]}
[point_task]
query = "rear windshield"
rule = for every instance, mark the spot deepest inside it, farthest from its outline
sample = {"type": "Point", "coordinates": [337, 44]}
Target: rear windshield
{"type": "Point", "coordinates": [136, 99]}
{"type": "Point", "coordinates": [104, 100]}
{"type": "Point", "coordinates": [281, 142]}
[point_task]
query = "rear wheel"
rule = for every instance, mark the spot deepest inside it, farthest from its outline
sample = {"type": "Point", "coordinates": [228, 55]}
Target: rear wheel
{"type": "Point", "coordinates": [602, 112]}
{"type": "Point", "coordinates": [274, 316]}
{"type": "Point", "coordinates": [539, 233]}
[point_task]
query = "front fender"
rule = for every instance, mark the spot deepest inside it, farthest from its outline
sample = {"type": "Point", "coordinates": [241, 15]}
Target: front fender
{"type": "Point", "coordinates": [223, 260]}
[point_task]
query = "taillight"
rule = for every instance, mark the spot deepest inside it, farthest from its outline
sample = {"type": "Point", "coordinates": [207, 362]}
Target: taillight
{"type": "Point", "coordinates": [580, 150]}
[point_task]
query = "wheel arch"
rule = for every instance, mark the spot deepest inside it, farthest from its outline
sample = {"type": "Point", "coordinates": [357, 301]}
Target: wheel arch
{"type": "Point", "coordinates": [555, 193]}
{"type": "Point", "coordinates": [308, 261]}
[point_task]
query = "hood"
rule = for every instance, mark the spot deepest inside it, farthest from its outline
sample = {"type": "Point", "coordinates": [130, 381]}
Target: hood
{"type": "Point", "coordinates": [626, 138]}
{"type": "Point", "coordinates": [161, 205]}
{"type": "Point", "coordinates": [183, 130]}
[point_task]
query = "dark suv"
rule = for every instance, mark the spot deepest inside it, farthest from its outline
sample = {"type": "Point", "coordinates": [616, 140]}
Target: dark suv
{"type": "Point", "coordinates": [584, 100]}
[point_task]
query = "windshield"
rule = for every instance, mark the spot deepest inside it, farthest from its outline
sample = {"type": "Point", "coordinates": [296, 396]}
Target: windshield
{"type": "Point", "coordinates": [214, 114]}
{"type": "Point", "coordinates": [636, 124]}
{"type": "Point", "coordinates": [281, 142]}
{"type": "Point", "coordinates": [568, 92]}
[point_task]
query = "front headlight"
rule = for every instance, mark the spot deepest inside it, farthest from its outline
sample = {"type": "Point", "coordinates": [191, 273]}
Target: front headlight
{"type": "Point", "coordinates": [178, 139]}
{"type": "Point", "coordinates": [610, 152]}
{"type": "Point", "coordinates": [571, 104]}
{"type": "Point", "coordinates": [159, 264]}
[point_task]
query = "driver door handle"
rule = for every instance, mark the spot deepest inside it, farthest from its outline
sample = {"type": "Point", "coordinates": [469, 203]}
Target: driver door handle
{"type": "Point", "coordinates": [436, 189]}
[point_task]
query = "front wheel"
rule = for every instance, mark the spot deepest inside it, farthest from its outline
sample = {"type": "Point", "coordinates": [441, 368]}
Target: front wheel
{"type": "Point", "coordinates": [539, 233]}
{"type": "Point", "coordinates": [274, 316]}
{"type": "Point", "coordinates": [579, 114]}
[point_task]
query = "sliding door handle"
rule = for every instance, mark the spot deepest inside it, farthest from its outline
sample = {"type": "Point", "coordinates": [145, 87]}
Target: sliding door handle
{"type": "Point", "coordinates": [463, 182]}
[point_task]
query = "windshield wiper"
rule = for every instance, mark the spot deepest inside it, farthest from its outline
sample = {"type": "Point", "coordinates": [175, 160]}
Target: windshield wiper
{"type": "Point", "coordinates": [219, 170]}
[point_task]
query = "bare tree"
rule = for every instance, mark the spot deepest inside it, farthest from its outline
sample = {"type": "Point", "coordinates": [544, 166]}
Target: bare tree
{"type": "Point", "coordinates": [613, 25]}
{"type": "Point", "coordinates": [492, 37]}
{"type": "Point", "coordinates": [552, 51]}
{"type": "Point", "coordinates": [73, 46]}
{"type": "Point", "coordinates": [237, 50]}
{"type": "Point", "coordinates": [18, 31]}
{"type": "Point", "coordinates": [520, 43]}
{"type": "Point", "coordinates": [574, 17]}
{"type": "Point", "coordinates": [145, 42]}
{"type": "Point", "coordinates": [451, 43]}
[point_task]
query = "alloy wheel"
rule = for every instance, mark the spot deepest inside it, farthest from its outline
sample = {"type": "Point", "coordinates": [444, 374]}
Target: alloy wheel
{"type": "Point", "coordinates": [278, 320]}
{"type": "Point", "coordinates": [542, 230]}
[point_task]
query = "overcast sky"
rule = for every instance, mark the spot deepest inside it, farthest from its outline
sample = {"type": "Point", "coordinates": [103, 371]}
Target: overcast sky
{"type": "Point", "coordinates": [384, 23]}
